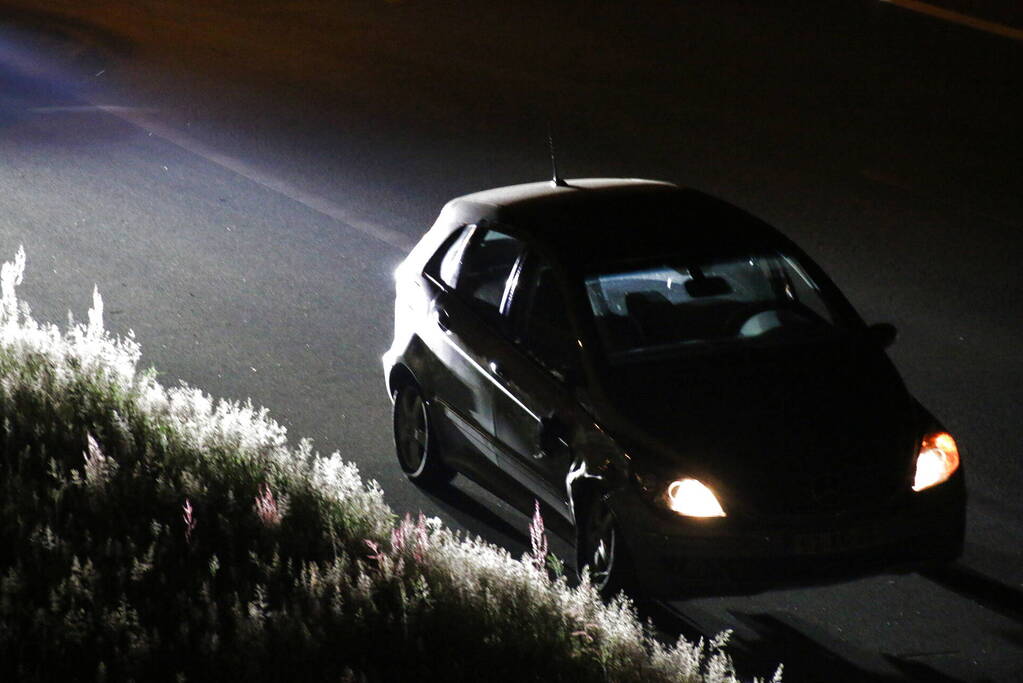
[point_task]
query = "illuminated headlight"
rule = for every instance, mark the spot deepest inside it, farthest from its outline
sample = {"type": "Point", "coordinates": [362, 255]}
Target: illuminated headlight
{"type": "Point", "coordinates": [693, 499]}
{"type": "Point", "coordinates": [938, 459]}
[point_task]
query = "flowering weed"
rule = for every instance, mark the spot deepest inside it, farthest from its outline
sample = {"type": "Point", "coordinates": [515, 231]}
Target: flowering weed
{"type": "Point", "coordinates": [538, 540]}
{"type": "Point", "coordinates": [189, 520]}
{"type": "Point", "coordinates": [296, 570]}
{"type": "Point", "coordinates": [267, 508]}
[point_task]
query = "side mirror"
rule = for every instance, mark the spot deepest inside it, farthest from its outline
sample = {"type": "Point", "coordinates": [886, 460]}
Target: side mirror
{"type": "Point", "coordinates": [882, 334]}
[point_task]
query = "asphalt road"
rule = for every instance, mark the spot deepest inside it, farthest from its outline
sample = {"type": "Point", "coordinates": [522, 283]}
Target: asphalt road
{"type": "Point", "coordinates": [241, 184]}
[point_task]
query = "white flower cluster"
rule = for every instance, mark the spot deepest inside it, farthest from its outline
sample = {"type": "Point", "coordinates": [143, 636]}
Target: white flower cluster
{"type": "Point", "coordinates": [85, 347]}
{"type": "Point", "coordinates": [205, 423]}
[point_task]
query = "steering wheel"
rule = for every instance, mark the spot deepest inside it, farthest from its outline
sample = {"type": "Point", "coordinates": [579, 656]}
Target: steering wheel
{"type": "Point", "coordinates": [739, 319]}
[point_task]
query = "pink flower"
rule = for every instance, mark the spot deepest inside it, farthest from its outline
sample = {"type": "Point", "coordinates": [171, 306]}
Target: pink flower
{"type": "Point", "coordinates": [538, 539]}
{"type": "Point", "coordinates": [375, 547]}
{"type": "Point", "coordinates": [190, 521]}
{"type": "Point", "coordinates": [411, 534]}
{"type": "Point", "coordinates": [267, 509]}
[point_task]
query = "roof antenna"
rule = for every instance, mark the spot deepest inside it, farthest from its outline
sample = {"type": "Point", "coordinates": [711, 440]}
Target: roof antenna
{"type": "Point", "coordinates": [556, 179]}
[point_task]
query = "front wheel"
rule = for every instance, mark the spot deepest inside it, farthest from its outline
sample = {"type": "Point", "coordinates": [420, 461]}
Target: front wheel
{"type": "Point", "coordinates": [602, 550]}
{"type": "Point", "coordinates": [414, 439]}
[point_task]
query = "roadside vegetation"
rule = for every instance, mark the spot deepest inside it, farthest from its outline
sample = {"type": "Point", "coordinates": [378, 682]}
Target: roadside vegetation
{"type": "Point", "coordinates": [154, 533]}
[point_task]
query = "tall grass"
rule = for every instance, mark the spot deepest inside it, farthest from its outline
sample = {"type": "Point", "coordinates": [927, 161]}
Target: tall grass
{"type": "Point", "coordinates": [155, 533]}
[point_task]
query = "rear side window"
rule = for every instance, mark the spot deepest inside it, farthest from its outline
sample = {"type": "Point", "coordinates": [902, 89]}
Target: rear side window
{"type": "Point", "coordinates": [488, 262]}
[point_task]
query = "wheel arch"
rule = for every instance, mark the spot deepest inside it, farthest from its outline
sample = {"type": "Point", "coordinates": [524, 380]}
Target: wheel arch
{"type": "Point", "coordinates": [401, 376]}
{"type": "Point", "coordinates": [583, 488]}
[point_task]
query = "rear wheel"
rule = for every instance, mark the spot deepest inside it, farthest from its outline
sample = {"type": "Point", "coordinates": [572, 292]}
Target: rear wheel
{"type": "Point", "coordinates": [414, 439]}
{"type": "Point", "coordinates": [602, 550]}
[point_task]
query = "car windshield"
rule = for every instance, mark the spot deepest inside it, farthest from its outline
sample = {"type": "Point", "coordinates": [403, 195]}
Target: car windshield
{"type": "Point", "coordinates": [668, 305]}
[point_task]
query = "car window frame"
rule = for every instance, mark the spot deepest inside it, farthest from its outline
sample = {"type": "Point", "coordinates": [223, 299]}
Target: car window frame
{"type": "Point", "coordinates": [470, 233]}
{"type": "Point", "coordinates": [453, 245]}
{"type": "Point", "coordinates": [530, 262]}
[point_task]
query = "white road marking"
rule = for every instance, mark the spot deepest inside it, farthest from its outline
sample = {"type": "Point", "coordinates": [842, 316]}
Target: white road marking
{"type": "Point", "coordinates": [86, 108]}
{"type": "Point", "coordinates": [959, 18]}
{"type": "Point", "coordinates": [141, 119]}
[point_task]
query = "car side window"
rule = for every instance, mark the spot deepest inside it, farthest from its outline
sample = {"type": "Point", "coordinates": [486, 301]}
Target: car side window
{"type": "Point", "coordinates": [488, 263]}
{"type": "Point", "coordinates": [443, 265]}
{"type": "Point", "coordinates": [542, 321]}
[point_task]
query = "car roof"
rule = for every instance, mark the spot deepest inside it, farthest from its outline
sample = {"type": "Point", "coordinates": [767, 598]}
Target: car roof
{"type": "Point", "coordinates": [530, 204]}
{"type": "Point", "coordinates": [592, 220]}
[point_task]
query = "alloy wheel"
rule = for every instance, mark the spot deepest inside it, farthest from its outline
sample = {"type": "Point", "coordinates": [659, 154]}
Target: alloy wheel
{"type": "Point", "coordinates": [412, 431]}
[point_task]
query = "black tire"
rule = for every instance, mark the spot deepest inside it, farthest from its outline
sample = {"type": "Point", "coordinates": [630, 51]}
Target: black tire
{"type": "Point", "coordinates": [601, 548]}
{"type": "Point", "coordinates": [414, 441]}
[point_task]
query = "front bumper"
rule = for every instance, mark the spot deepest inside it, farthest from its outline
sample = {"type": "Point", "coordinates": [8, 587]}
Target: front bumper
{"type": "Point", "coordinates": [682, 557]}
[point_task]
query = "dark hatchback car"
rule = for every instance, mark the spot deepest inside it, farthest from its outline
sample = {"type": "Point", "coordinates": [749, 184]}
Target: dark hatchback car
{"type": "Point", "coordinates": [682, 389]}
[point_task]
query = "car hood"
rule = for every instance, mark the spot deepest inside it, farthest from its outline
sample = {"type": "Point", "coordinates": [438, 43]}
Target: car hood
{"type": "Point", "coordinates": [776, 429]}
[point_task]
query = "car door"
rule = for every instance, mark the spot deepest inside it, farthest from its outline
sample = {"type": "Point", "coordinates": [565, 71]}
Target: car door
{"type": "Point", "coordinates": [470, 331]}
{"type": "Point", "coordinates": [534, 405]}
